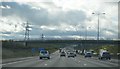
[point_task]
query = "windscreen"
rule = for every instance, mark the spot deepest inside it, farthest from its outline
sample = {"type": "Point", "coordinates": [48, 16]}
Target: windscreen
{"type": "Point", "coordinates": [44, 52]}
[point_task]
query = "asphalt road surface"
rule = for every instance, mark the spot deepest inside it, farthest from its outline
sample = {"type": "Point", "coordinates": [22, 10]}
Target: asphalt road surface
{"type": "Point", "coordinates": [57, 61]}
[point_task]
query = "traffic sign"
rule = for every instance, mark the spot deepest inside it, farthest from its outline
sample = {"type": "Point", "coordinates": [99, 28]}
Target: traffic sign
{"type": "Point", "coordinates": [33, 50]}
{"type": "Point", "coordinates": [41, 49]}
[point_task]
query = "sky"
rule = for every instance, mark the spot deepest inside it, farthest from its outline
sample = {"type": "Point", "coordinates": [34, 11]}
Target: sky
{"type": "Point", "coordinates": [59, 19]}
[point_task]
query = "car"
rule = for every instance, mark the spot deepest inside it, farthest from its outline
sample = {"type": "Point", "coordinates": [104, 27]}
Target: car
{"type": "Point", "coordinates": [62, 54]}
{"type": "Point", "coordinates": [88, 54]}
{"type": "Point", "coordinates": [75, 54]}
{"type": "Point", "coordinates": [68, 51]}
{"type": "Point", "coordinates": [60, 50]}
{"type": "Point", "coordinates": [71, 54]}
{"type": "Point", "coordinates": [44, 54]}
{"type": "Point", "coordinates": [105, 55]}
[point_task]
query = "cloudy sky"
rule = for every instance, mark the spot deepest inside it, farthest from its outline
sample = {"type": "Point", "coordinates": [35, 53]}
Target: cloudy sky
{"type": "Point", "coordinates": [59, 19]}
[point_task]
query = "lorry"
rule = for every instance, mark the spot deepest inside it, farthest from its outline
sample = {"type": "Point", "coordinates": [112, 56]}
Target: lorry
{"type": "Point", "coordinates": [104, 54]}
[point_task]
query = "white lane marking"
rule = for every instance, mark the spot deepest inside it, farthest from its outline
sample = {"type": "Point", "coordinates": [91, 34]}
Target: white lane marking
{"type": "Point", "coordinates": [73, 58]}
{"type": "Point", "coordinates": [45, 64]}
{"type": "Point", "coordinates": [85, 64]}
{"type": "Point", "coordinates": [79, 61]}
{"type": "Point", "coordinates": [16, 62]}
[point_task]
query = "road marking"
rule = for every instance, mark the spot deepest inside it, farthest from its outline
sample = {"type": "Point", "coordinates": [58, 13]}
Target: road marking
{"type": "Point", "coordinates": [15, 62]}
{"type": "Point", "coordinates": [45, 64]}
{"type": "Point", "coordinates": [85, 64]}
{"type": "Point", "coordinates": [79, 61]}
{"type": "Point", "coordinates": [73, 58]}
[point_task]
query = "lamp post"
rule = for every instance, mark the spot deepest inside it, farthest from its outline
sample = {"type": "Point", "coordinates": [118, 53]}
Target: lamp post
{"type": "Point", "coordinates": [87, 32]}
{"type": "Point", "coordinates": [76, 29]}
{"type": "Point", "coordinates": [84, 34]}
{"type": "Point", "coordinates": [98, 14]}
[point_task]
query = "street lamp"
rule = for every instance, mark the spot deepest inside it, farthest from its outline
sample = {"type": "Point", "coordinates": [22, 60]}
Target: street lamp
{"type": "Point", "coordinates": [87, 32]}
{"type": "Point", "coordinates": [82, 27]}
{"type": "Point", "coordinates": [76, 29]}
{"type": "Point", "coordinates": [98, 14]}
{"type": "Point", "coordinates": [86, 28]}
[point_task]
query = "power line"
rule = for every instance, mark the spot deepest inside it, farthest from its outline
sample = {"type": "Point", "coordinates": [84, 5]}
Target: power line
{"type": "Point", "coordinates": [26, 33]}
{"type": "Point", "coordinates": [42, 37]}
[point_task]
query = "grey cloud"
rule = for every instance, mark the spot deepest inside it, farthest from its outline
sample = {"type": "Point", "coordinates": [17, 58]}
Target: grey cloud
{"type": "Point", "coordinates": [43, 17]}
{"type": "Point", "coordinates": [70, 17]}
{"type": "Point", "coordinates": [26, 13]}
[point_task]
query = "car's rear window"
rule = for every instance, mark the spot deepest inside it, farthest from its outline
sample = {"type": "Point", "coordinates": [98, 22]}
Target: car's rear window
{"type": "Point", "coordinates": [71, 53]}
{"type": "Point", "coordinates": [88, 53]}
{"type": "Point", "coordinates": [106, 53]}
{"type": "Point", "coordinates": [44, 52]}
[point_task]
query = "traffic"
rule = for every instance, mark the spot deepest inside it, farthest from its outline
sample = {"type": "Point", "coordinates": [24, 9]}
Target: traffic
{"type": "Point", "coordinates": [64, 52]}
{"type": "Point", "coordinates": [67, 57]}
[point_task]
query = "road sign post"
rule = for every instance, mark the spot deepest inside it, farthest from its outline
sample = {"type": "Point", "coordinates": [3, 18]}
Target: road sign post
{"type": "Point", "coordinates": [40, 49]}
{"type": "Point", "coordinates": [33, 51]}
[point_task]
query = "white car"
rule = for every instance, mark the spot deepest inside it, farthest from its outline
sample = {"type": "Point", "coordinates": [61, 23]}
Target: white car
{"type": "Point", "coordinates": [88, 54]}
{"type": "Point", "coordinates": [104, 54]}
{"type": "Point", "coordinates": [71, 54]}
{"type": "Point", "coordinates": [62, 54]}
{"type": "Point", "coordinates": [44, 54]}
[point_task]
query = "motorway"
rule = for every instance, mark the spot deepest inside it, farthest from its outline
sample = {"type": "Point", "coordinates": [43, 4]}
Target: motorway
{"type": "Point", "coordinates": [57, 61]}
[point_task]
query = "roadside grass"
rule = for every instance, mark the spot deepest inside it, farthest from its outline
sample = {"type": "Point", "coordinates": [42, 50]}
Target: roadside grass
{"type": "Point", "coordinates": [18, 50]}
{"type": "Point", "coordinates": [113, 49]}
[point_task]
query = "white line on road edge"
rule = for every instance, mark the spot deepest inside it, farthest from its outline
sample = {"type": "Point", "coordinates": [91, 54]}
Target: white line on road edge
{"type": "Point", "coordinates": [15, 62]}
{"type": "Point", "coordinates": [17, 59]}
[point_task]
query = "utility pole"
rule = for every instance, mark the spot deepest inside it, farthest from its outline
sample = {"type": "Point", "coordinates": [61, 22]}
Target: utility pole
{"type": "Point", "coordinates": [26, 33]}
{"type": "Point", "coordinates": [86, 38]}
{"type": "Point", "coordinates": [86, 34]}
{"type": "Point", "coordinates": [98, 33]}
{"type": "Point", "coordinates": [42, 37]}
